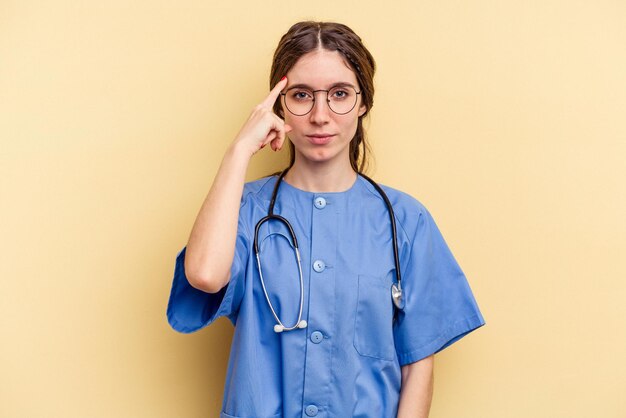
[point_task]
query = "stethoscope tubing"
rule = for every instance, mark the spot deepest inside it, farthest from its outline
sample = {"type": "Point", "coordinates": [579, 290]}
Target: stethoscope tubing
{"type": "Point", "coordinates": [396, 290]}
{"type": "Point", "coordinates": [280, 327]}
{"type": "Point", "coordinates": [394, 233]}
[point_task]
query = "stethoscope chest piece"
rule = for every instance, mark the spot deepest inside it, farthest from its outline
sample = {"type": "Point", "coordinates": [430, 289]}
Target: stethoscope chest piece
{"type": "Point", "coordinates": [396, 296]}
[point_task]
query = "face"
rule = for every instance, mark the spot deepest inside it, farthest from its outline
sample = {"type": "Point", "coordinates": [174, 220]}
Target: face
{"type": "Point", "coordinates": [322, 135]}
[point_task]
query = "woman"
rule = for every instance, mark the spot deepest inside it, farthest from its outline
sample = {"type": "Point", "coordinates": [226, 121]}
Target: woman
{"type": "Point", "coordinates": [324, 336]}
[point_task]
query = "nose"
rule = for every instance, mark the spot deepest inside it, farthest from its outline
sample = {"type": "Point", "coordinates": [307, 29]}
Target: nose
{"type": "Point", "coordinates": [320, 114]}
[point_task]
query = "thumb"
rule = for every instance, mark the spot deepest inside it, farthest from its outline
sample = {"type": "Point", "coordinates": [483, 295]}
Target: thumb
{"type": "Point", "coordinates": [280, 140]}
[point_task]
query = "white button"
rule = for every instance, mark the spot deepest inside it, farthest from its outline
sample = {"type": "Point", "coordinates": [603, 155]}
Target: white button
{"type": "Point", "coordinates": [320, 202]}
{"type": "Point", "coordinates": [319, 266]}
{"type": "Point", "coordinates": [311, 410]}
{"type": "Point", "coordinates": [317, 337]}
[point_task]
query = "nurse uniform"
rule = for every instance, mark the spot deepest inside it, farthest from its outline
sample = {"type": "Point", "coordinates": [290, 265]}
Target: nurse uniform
{"type": "Point", "coordinates": [347, 362]}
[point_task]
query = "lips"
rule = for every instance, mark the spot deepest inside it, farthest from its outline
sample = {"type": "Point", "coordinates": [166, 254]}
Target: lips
{"type": "Point", "coordinates": [320, 139]}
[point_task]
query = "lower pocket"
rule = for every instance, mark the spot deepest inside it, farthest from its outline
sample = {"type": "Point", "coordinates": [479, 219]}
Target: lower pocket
{"type": "Point", "coordinates": [373, 327]}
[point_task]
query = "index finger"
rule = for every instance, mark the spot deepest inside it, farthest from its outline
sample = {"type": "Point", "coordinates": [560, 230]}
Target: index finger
{"type": "Point", "coordinates": [271, 98]}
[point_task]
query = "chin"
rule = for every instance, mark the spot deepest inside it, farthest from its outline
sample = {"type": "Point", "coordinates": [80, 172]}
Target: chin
{"type": "Point", "coordinates": [316, 156]}
{"type": "Point", "coordinates": [319, 155]}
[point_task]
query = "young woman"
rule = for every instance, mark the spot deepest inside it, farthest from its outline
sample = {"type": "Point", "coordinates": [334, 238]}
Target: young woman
{"type": "Point", "coordinates": [343, 294]}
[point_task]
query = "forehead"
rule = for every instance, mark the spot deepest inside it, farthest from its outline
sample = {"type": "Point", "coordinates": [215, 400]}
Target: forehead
{"type": "Point", "coordinates": [321, 68]}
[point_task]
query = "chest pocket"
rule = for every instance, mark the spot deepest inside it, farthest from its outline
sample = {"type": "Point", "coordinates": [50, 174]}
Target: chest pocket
{"type": "Point", "coordinates": [373, 328]}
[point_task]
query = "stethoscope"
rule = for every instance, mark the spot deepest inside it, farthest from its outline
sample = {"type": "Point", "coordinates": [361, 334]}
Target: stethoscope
{"type": "Point", "coordinates": [396, 288]}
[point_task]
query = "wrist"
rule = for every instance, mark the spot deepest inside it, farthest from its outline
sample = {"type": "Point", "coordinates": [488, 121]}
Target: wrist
{"type": "Point", "coordinates": [239, 151]}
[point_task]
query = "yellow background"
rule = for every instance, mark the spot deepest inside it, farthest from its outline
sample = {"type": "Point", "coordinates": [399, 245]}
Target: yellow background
{"type": "Point", "coordinates": [505, 118]}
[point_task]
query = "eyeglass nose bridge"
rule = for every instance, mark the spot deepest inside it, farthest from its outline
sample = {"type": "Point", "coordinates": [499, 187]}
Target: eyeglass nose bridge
{"type": "Point", "coordinates": [317, 91]}
{"type": "Point", "coordinates": [314, 100]}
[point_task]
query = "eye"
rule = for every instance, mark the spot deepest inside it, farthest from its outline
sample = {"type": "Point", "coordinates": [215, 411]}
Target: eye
{"type": "Point", "coordinates": [340, 94]}
{"type": "Point", "coordinates": [302, 95]}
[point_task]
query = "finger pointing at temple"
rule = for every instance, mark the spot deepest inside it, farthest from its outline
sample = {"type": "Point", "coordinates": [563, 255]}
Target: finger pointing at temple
{"type": "Point", "coordinates": [273, 95]}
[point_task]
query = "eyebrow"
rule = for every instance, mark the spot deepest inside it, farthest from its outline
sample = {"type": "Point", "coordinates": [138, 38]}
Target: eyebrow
{"type": "Point", "coordinates": [306, 86]}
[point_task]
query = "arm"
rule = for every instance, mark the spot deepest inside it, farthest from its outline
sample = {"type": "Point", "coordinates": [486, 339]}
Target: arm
{"type": "Point", "coordinates": [211, 245]}
{"type": "Point", "coordinates": [417, 388]}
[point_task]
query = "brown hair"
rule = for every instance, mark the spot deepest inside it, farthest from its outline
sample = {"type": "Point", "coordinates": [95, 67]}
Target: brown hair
{"type": "Point", "coordinates": [304, 37]}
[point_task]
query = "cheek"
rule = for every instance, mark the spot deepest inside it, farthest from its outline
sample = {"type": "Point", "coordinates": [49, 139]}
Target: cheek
{"type": "Point", "coordinates": [350, 125]}
{"type": "Point", "coordinates": [291, 122]}
{"type": "Point", "coordinates": [296, 123]}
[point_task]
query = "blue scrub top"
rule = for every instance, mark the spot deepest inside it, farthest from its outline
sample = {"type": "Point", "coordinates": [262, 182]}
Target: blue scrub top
{"type": "Point", "coordinates": [346, 363]}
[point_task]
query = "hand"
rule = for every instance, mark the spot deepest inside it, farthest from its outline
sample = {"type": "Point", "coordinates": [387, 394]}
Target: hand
{"type": "Point", "coordinates": [264, 126]}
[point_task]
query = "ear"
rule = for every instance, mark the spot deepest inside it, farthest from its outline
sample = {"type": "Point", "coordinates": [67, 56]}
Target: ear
{"type": "Point", "coordinates": [362, 110]}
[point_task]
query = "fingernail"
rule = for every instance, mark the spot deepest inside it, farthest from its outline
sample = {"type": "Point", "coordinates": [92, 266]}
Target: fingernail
{"type": "Point", "coordinates": [284, 77]}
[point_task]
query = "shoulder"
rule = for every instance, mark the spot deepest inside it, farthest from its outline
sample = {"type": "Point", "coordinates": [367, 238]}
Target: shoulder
{"type": "Point", "coordinates": [254, 200]}
{"type": "Point", "coordinates": [408, 210]}
{"type": "Point", "coordinates": [259, 187]}
{"type": "Point", "coordinates": [257, 193]}
{"type": "Point", "coordinates": [402, 202]}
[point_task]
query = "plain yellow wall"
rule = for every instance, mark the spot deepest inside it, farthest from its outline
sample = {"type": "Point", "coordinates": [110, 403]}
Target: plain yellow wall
{"type": "Point", "coordinates": [505, 118]}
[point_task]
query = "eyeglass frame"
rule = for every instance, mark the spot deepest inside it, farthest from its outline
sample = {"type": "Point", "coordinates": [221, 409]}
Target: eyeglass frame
{"type": "Point", "coordinates": [327, 100]}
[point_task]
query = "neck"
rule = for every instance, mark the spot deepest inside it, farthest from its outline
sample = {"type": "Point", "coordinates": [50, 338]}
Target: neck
{"type": "Point", "coordinates": [321, 178]}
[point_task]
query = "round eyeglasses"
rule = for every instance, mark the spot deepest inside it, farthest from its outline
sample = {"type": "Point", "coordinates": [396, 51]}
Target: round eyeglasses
{"type": "Point", "coordinates": [340, 99]}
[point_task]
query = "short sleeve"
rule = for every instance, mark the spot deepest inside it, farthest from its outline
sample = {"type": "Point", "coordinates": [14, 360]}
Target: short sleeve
{"type": "Point", "coordinates": [439, 305]}
{"type": "Point", "coordinates": [190, 309]}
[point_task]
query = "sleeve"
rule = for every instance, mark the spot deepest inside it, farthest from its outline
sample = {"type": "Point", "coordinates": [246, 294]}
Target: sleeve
{"type": "Point", "coordinates": [439, 305]}
{"type": "Point", "coordinates": [190, 309]}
